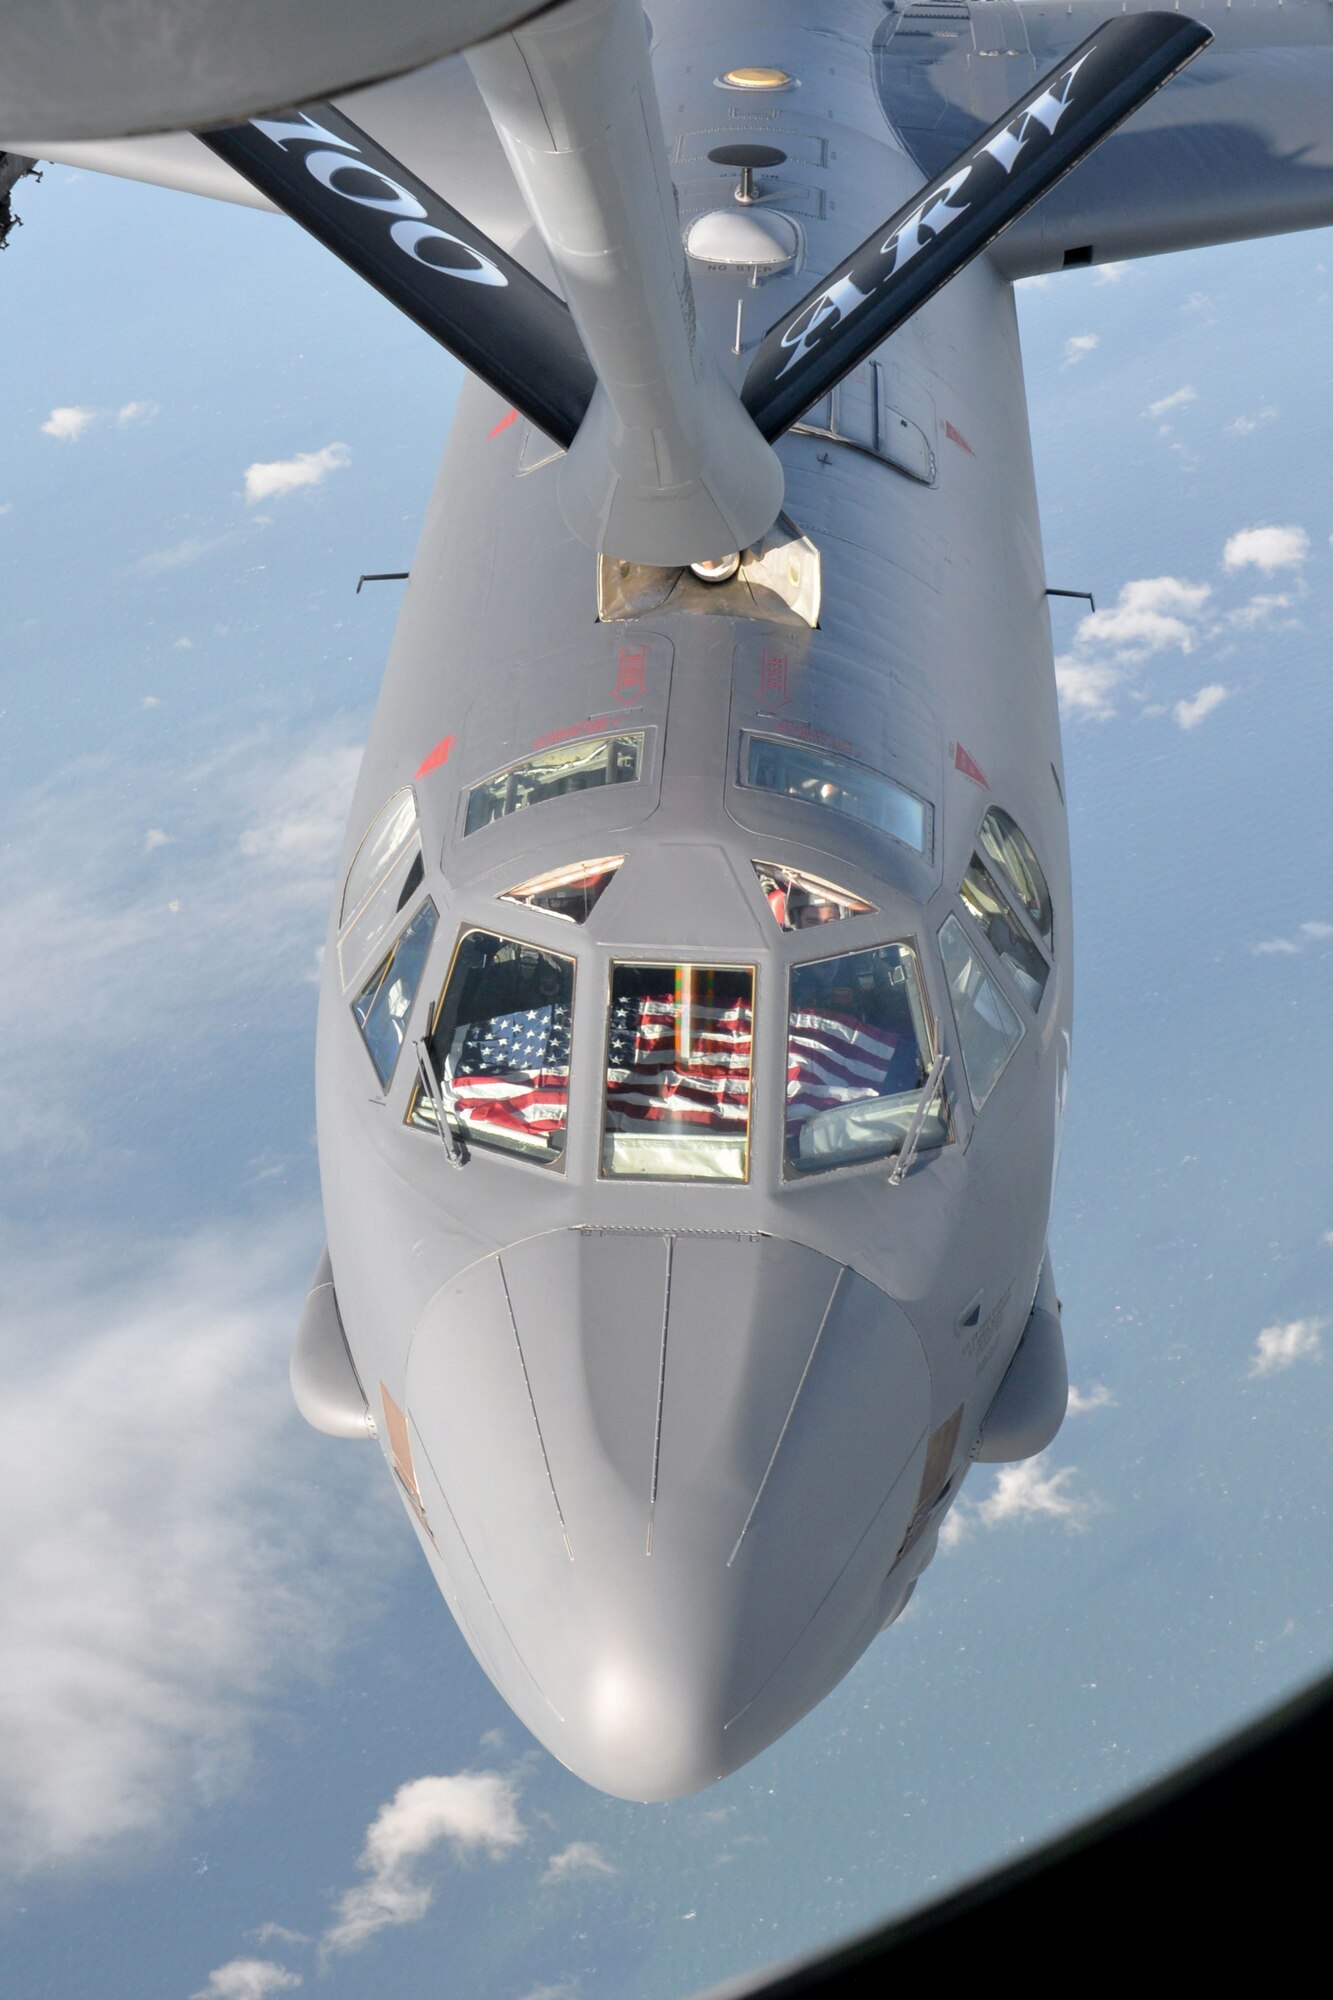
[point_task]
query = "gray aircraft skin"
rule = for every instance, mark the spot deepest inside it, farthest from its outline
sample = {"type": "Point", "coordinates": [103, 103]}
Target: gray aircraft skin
{"type": "Point", "coordinates": [665, 898]}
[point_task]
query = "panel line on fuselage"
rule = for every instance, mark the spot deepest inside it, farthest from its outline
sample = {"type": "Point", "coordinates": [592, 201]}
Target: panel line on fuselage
{"type": "Point", "coordinates": [532, 1405]}
{"type": "Point", "coordinates": [786, 1421]}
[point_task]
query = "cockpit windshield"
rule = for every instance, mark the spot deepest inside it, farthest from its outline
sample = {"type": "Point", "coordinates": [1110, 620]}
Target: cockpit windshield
{"type": "Point", "coordinates": [802, 902]}
{"type": "Point", "coordinates": [678, 1072]}
{"type": "Point", "coordinates": [859, 1051]}
{"type": "Point", "coordinates": [824, 778]}
{"type": "Point", "coordinates": [581, 766]}
{"type": "Point", "coordinates": [500, 1046]}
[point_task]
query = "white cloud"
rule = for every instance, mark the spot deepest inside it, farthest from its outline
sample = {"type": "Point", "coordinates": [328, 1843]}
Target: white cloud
{"type": "Point", "coordinates": [155, 838]}
{"type": "Point", "coordinates": [1246, 426]}
{"type": "Point", "coordinates": [1086, 687]}
{"type": "Point", "coordinates": [68, 422]}
{"type": "Point", "coordinates": [568, 1989]}
{"type": "Point", "coordinates": [256, 828]}
{"type": "Point", "coordinates": [284, 475]}
{"type": "Point", "coordinates": [1022, 1492]}
{"type": "Point", "coordinates": [161, 1580]}
{"type": "Point", "coordinates": [137, 413]}
{"type": "Point", "coordinates": [1079, 346]}
{"type": "Point", "coordinates": [1259, 610]}
{"type": "Point", "coordinates": [1314, 931]}
{"type": "Point", "coordinates": [182, 645]}
{"type": "Point", "coordinates": [181, 553]}
{"type": "Point", "coordinates": [248, 1979]}
{"type": "Point", "coordinates": [1082, 1402]}
{"type": "Point", "coordinates": [1327, 1237]}
{"type": "Point", "coordinates": [1109, 274]}
{"type": "Point", "coordinates": [1280, 1347]}
{"type": "Point", "coordinates": [1267, 549]}
{"type": "Point", "coordinates": [1175, 401]}
{"type": "Point", "coordinates": [580, 1858]}
{"type": "Point", "coordinates": [1190, 713]}
{"type": "Point", "coordinates": [476, 1812]}
{"type": "Point", "coordinates": [1150, 614]}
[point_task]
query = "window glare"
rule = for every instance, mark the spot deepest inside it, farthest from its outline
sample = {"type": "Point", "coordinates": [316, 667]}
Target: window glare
{"type": "Point", "coordinates": [858, 1054]}
{"type": "Point", "coordinates": [553, 774]}
{"type": "Point", "coordinates": [389, 832]}
{"type": "Point", "coordinates": [1009, 847]}
{"type": "Point", "coordinates": [382, 1007]}
{"type": "Point", "coordinates": [678, 1072]}
{"type": "Point", "coordinates": [837, 784]}
{"type": "Point", "coordinates": [988, 1029]}
{"type": "Point", "coordinates": [571, 892]}
{"type": "Point", "coordinates": [801, 902]}
{"type": "Point", "coordinates": [1011, 944]}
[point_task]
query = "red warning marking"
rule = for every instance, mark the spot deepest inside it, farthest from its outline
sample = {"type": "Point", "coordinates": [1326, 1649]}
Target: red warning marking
{"type": "Point", "coordinates": [503, 425]}
{"type": "Point", "coordinates": [958, 438]}
{"type": "Point", "coordinates": [439, 755]}
{"type": "Point", "coordinates": [773, 678]}
{"type": "Point", "coordinates": [962, 762]}
{"type": "Point", "coordinates": [632, 673]}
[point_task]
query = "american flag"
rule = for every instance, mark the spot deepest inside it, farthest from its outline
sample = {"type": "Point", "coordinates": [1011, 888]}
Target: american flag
{"type": "Point", "coordinates": [649, 1078]}
{"type": "Point", "coordinates": [511, 1075]}
{"type": "Point", "coordinates": [833, 1059]}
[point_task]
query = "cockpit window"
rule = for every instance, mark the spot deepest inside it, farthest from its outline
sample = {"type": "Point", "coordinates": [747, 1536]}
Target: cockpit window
{"type": "Point", "coordinates": [582, 766]}
{"type": "Point", "coordinates": [382, 1006]}
{"type": "Point", "coordinates": [822, 778]}
{"type": "Point", "coordinates": [988, 1029]}
{"type": "Point", "coordinates": [678, 1063]}
{"type": "Point", "coordinates": [799, 902]}
{"type": "Point", "coordinates": [1009, 847]}
{"type": "Point", "coordinates": [858, 1056]}
{"type": "Point", "coordinates": [987, 902]}
{"type": "Point", "coordinates": [569, 892]}
{"type": "Point", "coordinates": [500, 1046]}
{"type": "Point", "coordinates": [393, 827]}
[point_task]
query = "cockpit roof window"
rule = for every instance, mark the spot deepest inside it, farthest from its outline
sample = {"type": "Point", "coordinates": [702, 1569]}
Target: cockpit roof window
{"type": "Point", "coordinates": [859, 1054]}
{"type": "Point", "coordinates": [984, 899]}
{"type": "Point", "coordinates": [581, 766]}
{"type": "Point", "coordinates": [988, 1029]}
{"type": "Point", "coordinates": [1009, 847]}
{"type": "Point", "coordinates": [824, 778]}
{"type": "Point", "coordinates": [800, 902]}
{"type": "Point", "coordinates": [382, 1007]}
{"type": "Point", "coordinates": [386, 839]}
{"type": "Point", "coordinates": [678, 1066]}
{"type": "Point", "coordinates": [570, 892]}
{"type": "Point", "coordinates": [499, 1046]}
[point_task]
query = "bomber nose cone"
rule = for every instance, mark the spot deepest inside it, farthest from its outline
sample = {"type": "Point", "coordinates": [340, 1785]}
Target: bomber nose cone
{"type": "Point", "coordinates": [667, 1475]}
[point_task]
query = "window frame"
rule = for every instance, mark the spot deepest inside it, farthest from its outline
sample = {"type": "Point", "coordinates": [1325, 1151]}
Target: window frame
{"type": "Point", "coordinates": [554, 1163]}
{"type": "Point", "coordinates": [930, 1043]}
{"type": "Point", "coordinates": [642, 962]}
{"type": "Point", "coordinates": [993, 863]}
{"type": "Point", "coordinates": [643, 733]}
{"type": "Point", "coordinates": [978, 1104]}
{"type": "Point", "coordinates": [386, 1083]}
{"type": "Point", "coordinates": [748, 737]}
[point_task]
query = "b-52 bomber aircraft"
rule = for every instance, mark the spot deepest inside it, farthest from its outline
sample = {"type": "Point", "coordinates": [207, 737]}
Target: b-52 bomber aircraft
{"type": "Point", "coordinates": [696, 1011]}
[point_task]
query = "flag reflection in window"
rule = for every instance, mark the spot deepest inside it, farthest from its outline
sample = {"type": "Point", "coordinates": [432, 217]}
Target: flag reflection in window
{"type": "Point", "coordinates": [678, 1064]}
{"type": "Point", "coordinates": [501, 1046]}
{"type": "Point", "coordinates": [858, 1054]}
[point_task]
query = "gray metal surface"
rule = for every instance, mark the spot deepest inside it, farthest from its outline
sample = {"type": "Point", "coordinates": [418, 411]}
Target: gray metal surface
{"type": "Point", "coordinates": [676, 1449]}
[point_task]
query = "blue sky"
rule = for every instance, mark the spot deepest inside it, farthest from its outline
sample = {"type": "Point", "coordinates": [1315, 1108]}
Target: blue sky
{"type": "Point", "coordinates": [244, 1749]}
